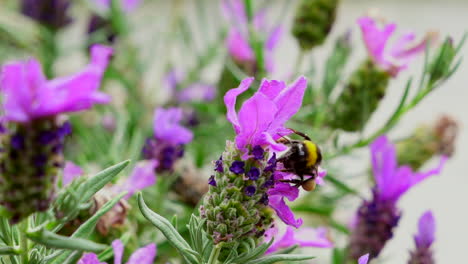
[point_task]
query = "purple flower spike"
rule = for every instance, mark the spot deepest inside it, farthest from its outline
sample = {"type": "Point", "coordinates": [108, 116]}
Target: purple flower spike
{"type": "Point", "coordinates": [424, 239]}
{"type": "Point", "coordinates": [364, 259]}
{"type": "Point", "coordinates": [212, 181]}
{"type": "Point", "coordinates": [261, 118]}
{"type": "Point", "coordinates": [250, 190]}
{"type": "Point", "coordinates": [426, 230]}
{"type": "Point", "coordinates": [167, 126]}
{"type": "Point", "coordinates": [28, 95]}
{"type": "Point", "coordinates": [219, 165]}
{"type": "Point", "coordinates": [394, 58]}
{"type": "Point", "coordinates": [304, 237]}
{"type": "Point", "coordinates": [237, 167]}
{"type": "Point", "coordinates": [253, 174]}
{"type": "Point", "coordinates": [393, 181]}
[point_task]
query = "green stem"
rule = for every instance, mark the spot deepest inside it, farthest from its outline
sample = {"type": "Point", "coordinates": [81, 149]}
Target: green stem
{"type": "Point", "coordinates": [215, 254]}
{"type": "Point", "coordinates": [24, 242]}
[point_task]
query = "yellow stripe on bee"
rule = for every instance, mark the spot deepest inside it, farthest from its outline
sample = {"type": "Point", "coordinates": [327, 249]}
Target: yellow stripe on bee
{"type": "Point", "coordinates": [312, 153]}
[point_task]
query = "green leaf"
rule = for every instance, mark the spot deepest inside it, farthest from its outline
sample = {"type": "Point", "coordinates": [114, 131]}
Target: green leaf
{"type": "Point", "coordinates": [280, 257]}
{"type": "Point", "coordinates": [52, 240]}
{"type": "Point", "coordinates": [6, 250]}
{"type": "Point", "coordinates": [86, 229]}
{"type": "Point", "coordinates": [253, 254]}
{"type": "Point", "coordinates": [96, 183]}
{"type": "Point", "coordinates": [171, 234]}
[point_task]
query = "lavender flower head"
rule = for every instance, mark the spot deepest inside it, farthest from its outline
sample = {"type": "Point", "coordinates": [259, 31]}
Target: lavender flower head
{"type": "Point", "coordinates": [423, 240]}
{"type": "Point", "coordinates": [28, 95]}
{"type": "Point", "coordinates": [237, 41]}
{"type": "Point", "coordinates": [244, 191]}
{"type": "Point", "coordinates": [304, 237]}
{"type": "Point", "coordinates": [144, 255]}
{"type": "Point", "coordinates": [391, 59]}
{"type": "Point", "coordinates": [71, 171]}
{"type": "Point", "coordinates": [167, 145]}
{"type": "Point", "coordinates": [195, 92]}
{"type": "Point", "coordinates": [377, 217]}
{"type": "Point", "coordinates": [36, 131]}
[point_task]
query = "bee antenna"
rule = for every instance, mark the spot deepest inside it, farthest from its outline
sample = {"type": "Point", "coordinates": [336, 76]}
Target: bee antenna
{"type": "Point", "coordinates": [300, 134]}
{"type": "Point", "coordinates": [285, 139]}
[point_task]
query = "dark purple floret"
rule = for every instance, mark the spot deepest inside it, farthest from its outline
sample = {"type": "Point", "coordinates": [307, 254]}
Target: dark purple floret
{"type": "Point", "coordinates": [17, 142]}
{"type": "Point", "coordinates": [212, 181]}
{"type": "Point", "coordinates": [219, 165]}
{"type": "Point", "coordinates": [237, 167]}
{"type": "Point", "coordinates": [64, 130]}
{"type": "Point", "coordinates": [258, 152]}
{"type": "Point", "coordinates": [269, 183]}
{"type": "Point", "coordinates": [40, 160]}
{"type": "Point", "coordinates": [253, 174]}
{"type": "Point", "coordinates": [46, 137]}
{"type": "Point", "coordinates": [271, 164]}
{"type": "Point", "coordinates": [52, 13]}
{"type": "Point", "coordinates": [250, 190]}
{"type": "Point", "coordinates": [98, 23]}
{"type": "Point", "coordinates": [264, 200]}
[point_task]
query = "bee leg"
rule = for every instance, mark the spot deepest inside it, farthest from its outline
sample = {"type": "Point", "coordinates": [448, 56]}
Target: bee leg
{"type": "Point", "coordinates": [296, 183]}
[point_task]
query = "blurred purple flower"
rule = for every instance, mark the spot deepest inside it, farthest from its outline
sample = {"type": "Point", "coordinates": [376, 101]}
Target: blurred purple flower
{"type": "Point", "coordinates": [167, 126]}
{"type": "Point", "coordinates": [237, 40]}
{"type": "Point", "coordinates": [377, 217]}
{"type": "Point", "coordinates": [70, 172]}
{"type": "Point", "coordinates": [51, 13]}
{"type": "Point", "coordinates": [393, 58]}
{"type": "Point", "coordinates": [195, 92]}
{"type": "Point", "coordinates": [304, 237]}
{"type": "Point", "coordinates": [423, 240]}
{"type": "Point", "coordinates": [28, 95]}
{"type": "Point", "coordinates": [261, 118]}
{"type": "Point", "coordinates": [126, 5]}
{"type": "Point", "coordinates": [393, 181]}
{"type": "Point", "coordinates": [363, 259]}
{"type": "Point", "coordinates": [142, 176]}
{"type": "Point", "coordinates": [144, 255]}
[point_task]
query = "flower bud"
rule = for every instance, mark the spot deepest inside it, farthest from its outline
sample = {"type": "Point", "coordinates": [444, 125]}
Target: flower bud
{"type": "Point", "coordinates": [440, 67]}
{"type": "Point", "coordinates": [314, 21]}
{"type": "Point", "coordinates": [360, 98]}
{"type": "Point", "coordinates": [236, 206]}
{"type": "Point", "coordinates": [30, 161]}
{"type": "Point", "coordinates": [427, 141]}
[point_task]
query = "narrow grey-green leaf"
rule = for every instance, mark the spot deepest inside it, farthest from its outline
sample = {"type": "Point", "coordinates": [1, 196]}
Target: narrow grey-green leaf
{"type": "Point", "coordinates": [96, 183]}
{"type": "Point", "coordinates": [171, 234]}
{"type": "Point", "coordinates": [255, 253]}
{"type": "Point", "coordinates": [276, 258]}
{"type": "Point", "coordinates": [52, 240]}
{"type": "Point", "coordinates": [6, 250]}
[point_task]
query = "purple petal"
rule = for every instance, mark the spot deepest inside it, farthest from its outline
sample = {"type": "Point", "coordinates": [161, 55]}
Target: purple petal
{"type": "Point", "coordinates": [118, 251]}
{"type": "Point", "coordinates": [384, 165]}
{"type": "Point", "coordinates": [76, 92]}
{"type": "Point", "coordinates": [271, 88]}
{"type": "Point", "coordinates": [230, 102]}
{"type": "Point", "coordinates": [172, 79]}
{"type": "Point", "coordinates": [283, 211]}
{"type": "Point", "coordinates": [426, 230]}
{"type": "Point", "coordinates": [90, 258]}
{"type": "Point", "coordinates": [321, 174]}
{"type": "Point", "coordinates": [70, 172]}
{"type": "Point", "coordinates": [273, 38]}
{"type": "Point", "coordinates": [167, 127]}
{"type": "Point", "coordinates": [144, 255]}
{"type": "Point", "coordinates": [239, 47]}
{"type": "Point", "coordinates": [234, 10]}
{"type": "Point", "coordinates": [143, 175]}
{"type": "Point", "coordinates": [255, 116]}
{"type": "Point", "coordinates": [303, 237]}
{"type": "Point", "coordinates": [285, 190]}
{"type": "Point", "coordinates": [363, 259]}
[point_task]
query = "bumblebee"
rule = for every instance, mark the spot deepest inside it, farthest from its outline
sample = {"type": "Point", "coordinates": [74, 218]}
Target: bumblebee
{"type": "Point", "coordinates": [302, 158]}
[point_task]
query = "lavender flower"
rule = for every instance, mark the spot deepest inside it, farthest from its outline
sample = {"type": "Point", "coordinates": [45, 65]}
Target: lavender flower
{"type": "Point", "coordinates": [51, 13]}
{"type": "Point", "coordinates": [70, 172]}
{"type": "Point", "coordinates": [391, 59]}
{"type": "Point", "coordinates": [423, 240]}
{"type": "Point", "coordinates": [144, 255]}
{"type": "Point", "coordinates": [377, 218]}
{"type": "Point", "coordinates": [35, 136]}
{"type": "Point", "coordinates": [239, 205]}
{"type": "Point", "coordinates": [237, 42]}
{"type": "Point", "coordinates": [304, 237]}
{"type": "Point", "coordinates": [167, 145]}
{"type": "Point", "coordinates": [194, 92]}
